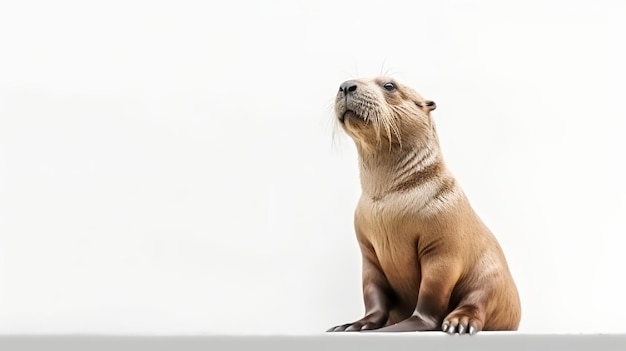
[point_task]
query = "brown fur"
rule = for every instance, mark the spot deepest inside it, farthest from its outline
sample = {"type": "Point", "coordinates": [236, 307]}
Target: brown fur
{"type": "Point", "coordinates": [429, 262]}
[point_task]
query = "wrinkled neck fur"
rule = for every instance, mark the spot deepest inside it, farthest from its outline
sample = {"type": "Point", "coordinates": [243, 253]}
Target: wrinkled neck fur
{"type": "Point", "coordinates": [383, 169]}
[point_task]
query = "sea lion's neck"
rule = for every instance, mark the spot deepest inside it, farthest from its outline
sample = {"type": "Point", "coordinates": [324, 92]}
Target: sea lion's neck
{"type": "Point", "coordinates": [386, 170]}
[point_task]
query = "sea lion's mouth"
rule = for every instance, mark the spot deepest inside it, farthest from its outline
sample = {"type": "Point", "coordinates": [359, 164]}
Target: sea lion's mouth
{"type": "Point", "coordinates": [346, 114]}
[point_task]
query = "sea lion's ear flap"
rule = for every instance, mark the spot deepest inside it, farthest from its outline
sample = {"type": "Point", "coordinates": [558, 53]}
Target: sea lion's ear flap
{"type": "Point", "coordinates": [429, 105]}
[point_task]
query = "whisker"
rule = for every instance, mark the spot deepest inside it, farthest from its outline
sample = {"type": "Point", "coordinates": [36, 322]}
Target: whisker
{"type": "Point", "coordinates": [348, 74]}
{"type": "Point", "coordinates": [387, 129]}
{"type": "Point", "coordinates": [396, 130]}
{"type": "Point", "coordinates": [390, 73]}
{"type": "Point", "coordinates": [376, 124]}
{"type": "Point", "coordinates": [330, 106]}
{"type": "Point", "coordinates": [335, 135]}
{"type": "Point", "coordinates": [382, 66]}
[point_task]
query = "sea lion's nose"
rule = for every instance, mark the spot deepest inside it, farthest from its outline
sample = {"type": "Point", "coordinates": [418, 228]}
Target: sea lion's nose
{"type": "Point", "coordinates": [348, 86]}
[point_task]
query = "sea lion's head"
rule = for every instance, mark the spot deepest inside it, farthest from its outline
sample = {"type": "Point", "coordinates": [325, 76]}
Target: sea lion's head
{"type": "Point", "coordinates": [380, 112]}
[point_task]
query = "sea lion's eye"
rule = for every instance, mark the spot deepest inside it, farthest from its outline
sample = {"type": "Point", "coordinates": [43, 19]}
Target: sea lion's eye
{"type": "Point", "coordinates": [389, 86]}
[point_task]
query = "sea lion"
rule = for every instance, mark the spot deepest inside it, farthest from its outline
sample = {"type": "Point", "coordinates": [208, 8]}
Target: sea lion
{"type": "Point", "coordinates": [429, 262]}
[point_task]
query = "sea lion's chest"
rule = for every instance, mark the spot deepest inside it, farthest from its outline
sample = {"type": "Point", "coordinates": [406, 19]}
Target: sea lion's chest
{"type": "Point", "coordinates": [394, 236]}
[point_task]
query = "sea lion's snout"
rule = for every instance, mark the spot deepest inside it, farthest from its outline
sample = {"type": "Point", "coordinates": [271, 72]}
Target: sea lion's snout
{"type": "Point", "coordinates": [347, 92]}
{"type": "Point", "coordinates": [348, 87]}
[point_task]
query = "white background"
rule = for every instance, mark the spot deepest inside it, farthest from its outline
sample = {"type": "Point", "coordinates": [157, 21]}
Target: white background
{"type": "Point", "coordinates": [169, 167]}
